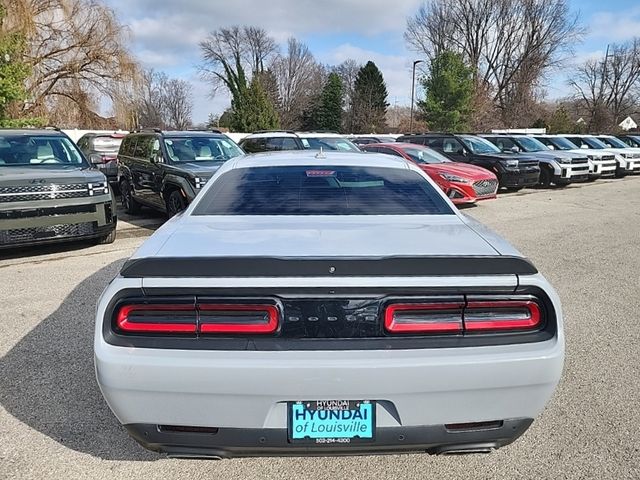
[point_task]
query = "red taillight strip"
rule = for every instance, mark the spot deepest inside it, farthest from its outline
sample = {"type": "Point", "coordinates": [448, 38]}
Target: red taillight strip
{"type": "Point", "coordinates": [391, 325]}
{"type": "Point", "coordinates": [270, 326]}
{"type": "Point", "coordinates": [505, 323]}
{"type": "Point", "coordinates": [124, 324]}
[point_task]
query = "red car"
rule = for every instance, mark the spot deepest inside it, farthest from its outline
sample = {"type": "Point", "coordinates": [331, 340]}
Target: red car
{"type": "Point", "coordinates": [463, 183]}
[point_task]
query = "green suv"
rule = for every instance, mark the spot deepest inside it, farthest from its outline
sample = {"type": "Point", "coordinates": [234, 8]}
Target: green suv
{"type": "Point", "coordinates": [166, 170]}
{"type": "Point", "coordinates": [49, 192]}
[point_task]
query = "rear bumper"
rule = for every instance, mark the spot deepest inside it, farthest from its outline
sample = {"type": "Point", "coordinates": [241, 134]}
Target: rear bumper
{"type": "Point", "coordinates": [250, 389]}
{"type": "Point", "coordinates": [235, 442]}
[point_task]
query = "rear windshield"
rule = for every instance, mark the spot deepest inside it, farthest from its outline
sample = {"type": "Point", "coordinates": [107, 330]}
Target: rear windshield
{"type": "Point", "coordinates": [107, 144]}
{"type": "Point", "coordinates": [325, 190]}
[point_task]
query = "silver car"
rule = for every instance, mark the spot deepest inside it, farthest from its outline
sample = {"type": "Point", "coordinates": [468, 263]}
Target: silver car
{"type": "Point", "coordinates": [314, 303]}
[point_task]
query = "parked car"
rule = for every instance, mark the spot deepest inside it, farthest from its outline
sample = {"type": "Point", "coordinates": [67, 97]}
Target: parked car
{"type": "Point", "coordinates": [102, 151]}
{"type": "Point", "coordinates": [365, 140]}
{"type": "Point", "coordinates": [625, 161]}
{"type": "Point", "coordinates": [316, 304]}
{"type": "Point", "coordinates": [49, 193]}
{"type": "Point", "coordinates": [630, 152]}
{"type": "Point", "coordinates": [633, 140]}
{"type": "Point", "coordinates": [514, 171]}
{"type": "Point", "coordinates": [326, 141]}
{"type": "Point", "coordinates": [557, 167]}
{"type": "Point", "coordinates": [166, 170]}
{"type": "Point", "coordinates": [271, 141]}
{"type": "Point", "coordinates": [461, 182]}
{"type": "Point", "coordinates": [601, 164]}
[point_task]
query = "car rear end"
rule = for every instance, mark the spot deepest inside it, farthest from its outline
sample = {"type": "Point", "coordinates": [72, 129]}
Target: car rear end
{"type": "Point", "coordinates": [103, 154]}
{"type": "Point", "coordinates": [234, 335]}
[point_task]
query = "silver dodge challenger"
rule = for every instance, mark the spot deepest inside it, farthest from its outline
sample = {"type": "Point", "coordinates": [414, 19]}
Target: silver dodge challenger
{"type": "Point", "coordinates": [311, 303]}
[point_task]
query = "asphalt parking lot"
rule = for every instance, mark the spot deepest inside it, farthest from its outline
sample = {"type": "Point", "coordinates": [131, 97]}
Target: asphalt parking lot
{"type": "Point", "coordinates": [585, 239]}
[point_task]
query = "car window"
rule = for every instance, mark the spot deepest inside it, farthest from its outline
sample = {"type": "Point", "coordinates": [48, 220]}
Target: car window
{"type": "Point", "coordinates": [329, 143]}
{"type": "Point", "coordinates": [326, 190]}
{"type": "Point", "coordinates": [434, 142]}
{"type": "Point", "coordinates": [502, 143]}
{"type": "Point", "coordinates": [421, 154]}
{"type": "Point", "coordinates": [38, 150]}
{"type": "Point", "coordinates": [479, 145]}
{"type": "Point", "coordinates": [201, 149]}
{"type": "Point", "coordinates": [276, 144]}
{"type": "Point", "coordinates": [451, 145]}
{"type": "Point", "coordinates": [613, 142]}
{"type": "Point", "coordinates": [390, 151]}
{"type": "Point", "coordinates": [143, 147]}
{"type": "Point", "coordinates": [106, 143]}
{"type": "Point", "coordinates": [253, 145]}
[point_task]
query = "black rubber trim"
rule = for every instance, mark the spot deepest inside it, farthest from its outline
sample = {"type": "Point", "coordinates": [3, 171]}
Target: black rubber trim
{"type": "Point", "coordinates": [171, 267]}
{"type": "Point", "coordinates": [248, 442]}
{"type": "Point", "coordinates": [277, 342]}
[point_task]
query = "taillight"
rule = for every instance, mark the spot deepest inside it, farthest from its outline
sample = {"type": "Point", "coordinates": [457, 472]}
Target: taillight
{"type": "Point", "coordinates": [217, 318]}
{"type": "Point", "coordinates": [157, 319]}
{"type": "Point", "coordinates": [501, 315]}
{"type": "Point", "coordinates": [475, 316]}
{"type": "Point", "coordinates": [424, 317]}
{"type": "Point", "coordinates": [197, 318]}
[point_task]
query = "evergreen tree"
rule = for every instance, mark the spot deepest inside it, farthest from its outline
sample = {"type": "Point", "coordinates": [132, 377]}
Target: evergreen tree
{"type": "Point", "coordinates": [13, 71]}
{"type": "Point", "coordinates": [329, 110]}
{"type": "Point", "coordinates": [369, 103]}
{"type": "Point", "coordinates": [449, 94]}
{"type": "Point", "coordinates": [253, 110]}
{"type": "Point", "coordinates": [560, 122]}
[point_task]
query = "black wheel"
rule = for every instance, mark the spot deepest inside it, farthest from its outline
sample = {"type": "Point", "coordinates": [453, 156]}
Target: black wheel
{"type": "Point", "coordinates": [128, 202]}
{"type": "Point", "coordinates": [107, 239]}
{"type": "Point", "coordinates": [175, 203]}
{"type": "Point", "coordinates": [545, 178]}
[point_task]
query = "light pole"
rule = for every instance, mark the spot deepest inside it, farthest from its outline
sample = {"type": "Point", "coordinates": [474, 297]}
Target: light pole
{"type": "Point", "coordinates": [413, 89]}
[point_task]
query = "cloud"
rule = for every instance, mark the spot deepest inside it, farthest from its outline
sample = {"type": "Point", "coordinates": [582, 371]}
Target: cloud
{"type": "Point", "coordinates": [615, 27]}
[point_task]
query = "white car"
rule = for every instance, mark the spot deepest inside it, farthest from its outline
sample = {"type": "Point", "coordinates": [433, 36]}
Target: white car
{"type": "Point", "coordinates": [630, 152]}
{"type": "Point", "coordinates": [601, 163]}
{"type": "Point", "coordinates": [313, 303]}
{"type": "Point", "coordinates": [626, 160]}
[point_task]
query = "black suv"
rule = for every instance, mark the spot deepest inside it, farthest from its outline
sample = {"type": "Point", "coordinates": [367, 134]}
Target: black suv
{"type": "Point", "coordinates": [166, 170]}
{"type": "Point", "coordinates": [514, 171]}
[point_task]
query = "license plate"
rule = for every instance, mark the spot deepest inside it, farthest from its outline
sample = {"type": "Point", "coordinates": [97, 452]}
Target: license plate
{"type": "Point", "coordinates": [332, 421]}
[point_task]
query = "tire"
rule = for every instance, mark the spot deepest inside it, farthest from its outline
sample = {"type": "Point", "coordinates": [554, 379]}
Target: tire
{"type": "Point", "coordinates": [176, 203]}
{"type": "Point", "coordinates": [128, 202]}
{"type": "Point", "coordinates": [107, 239]}
{"type": "Point", "coordinates": [545, 178]}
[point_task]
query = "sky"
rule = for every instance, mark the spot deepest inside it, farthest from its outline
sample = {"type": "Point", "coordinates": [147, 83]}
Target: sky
{"type": "Point", "coordinates": [165, 36]}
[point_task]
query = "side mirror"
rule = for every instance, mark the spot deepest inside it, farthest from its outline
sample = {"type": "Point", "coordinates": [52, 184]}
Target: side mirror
{"type": "Point", "coordinates": [95, 159]}
{"type": "Point", "coordinates": [584, 146]}
{"type": "Point", "coordinates": [515, 149]}
{"type": "Point", "coordinates": [464, 152]}
{"type": "Point", "coordinates": [156, 158]}
{"type": "Point", "coordinates": [551, 146]}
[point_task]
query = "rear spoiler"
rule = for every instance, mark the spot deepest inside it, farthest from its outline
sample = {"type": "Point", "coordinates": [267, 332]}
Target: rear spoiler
{"type": "Point", "coordinates": [168, 267]}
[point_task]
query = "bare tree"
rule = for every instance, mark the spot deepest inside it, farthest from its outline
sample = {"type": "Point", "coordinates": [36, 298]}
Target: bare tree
{"type": "Point", "coordinates": [177, 102]}
{"type": "Point", "coordinates": [299, 79]}
{"type": "Point", "coordinates": [509, 44]}
{"type": "Point", "coordinates": [348, 71]}
{"type": "Point", "coordinates": [606, 89]}
{"type": "Point", "coordinates": [76, 49]}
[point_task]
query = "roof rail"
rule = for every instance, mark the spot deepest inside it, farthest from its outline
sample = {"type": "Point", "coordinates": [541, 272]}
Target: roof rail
{"type": "Point", "coordinates": [155, 130]}
{"type": "Point", "coordinates": [274, 131]}
{"type": "Point", "coordinates": [210, 130]}
{"type": "Point", "coordinates": [52, 127]}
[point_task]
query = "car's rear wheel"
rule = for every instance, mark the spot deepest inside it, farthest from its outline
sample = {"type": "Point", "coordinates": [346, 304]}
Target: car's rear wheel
{"type": "Point", "coordinates": [175, 203]}
{"type": "Point", "coordinates": [128, 202]}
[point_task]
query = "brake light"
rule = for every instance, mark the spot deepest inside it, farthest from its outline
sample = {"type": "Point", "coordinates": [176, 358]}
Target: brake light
{"type": "Point", "coordinates": [501, 315]}
{"type": "Point", "coordinates": [424, 317]}
{"type": "Point", "coordinates": [157, 319]}
{"type": "Point", "coordinates": [475, 316]}
{"type": "Point", "coordinates": [249, 319]}
{"type": "Point", "coordinates": [202, 318]}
